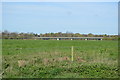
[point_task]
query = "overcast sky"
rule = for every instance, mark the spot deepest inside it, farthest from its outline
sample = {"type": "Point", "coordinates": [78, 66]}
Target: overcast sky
{"type": "Point", "coordinates": [76, 17]}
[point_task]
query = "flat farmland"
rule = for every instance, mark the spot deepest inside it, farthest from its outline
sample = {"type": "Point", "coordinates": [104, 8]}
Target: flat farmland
{"type": "Point", "coordinates": [53, 59]}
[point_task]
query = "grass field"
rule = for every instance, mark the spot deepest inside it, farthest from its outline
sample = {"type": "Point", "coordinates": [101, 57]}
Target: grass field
{"type": "Point", "coordinates": [52, 59]}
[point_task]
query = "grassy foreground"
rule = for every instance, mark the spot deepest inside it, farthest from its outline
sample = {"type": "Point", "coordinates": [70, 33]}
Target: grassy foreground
{"type": "Point", "coordinates": [52, 59]}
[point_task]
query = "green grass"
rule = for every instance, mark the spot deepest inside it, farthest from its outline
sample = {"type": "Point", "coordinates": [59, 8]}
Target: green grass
{"type": "Point", "coordinates": [100, 59]}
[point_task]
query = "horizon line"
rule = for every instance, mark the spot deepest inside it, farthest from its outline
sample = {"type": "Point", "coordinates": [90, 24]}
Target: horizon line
{"type": "Point", "coordinates": [60, 32]}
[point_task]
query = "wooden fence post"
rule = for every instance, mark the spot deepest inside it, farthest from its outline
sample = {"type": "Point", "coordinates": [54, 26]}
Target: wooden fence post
{"type": "Point", "coordinates": [72, 53]}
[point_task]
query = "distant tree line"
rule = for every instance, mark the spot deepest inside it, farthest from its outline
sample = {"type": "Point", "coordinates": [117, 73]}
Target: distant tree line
{"type": "Point", "coordinates": [14, 35]}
